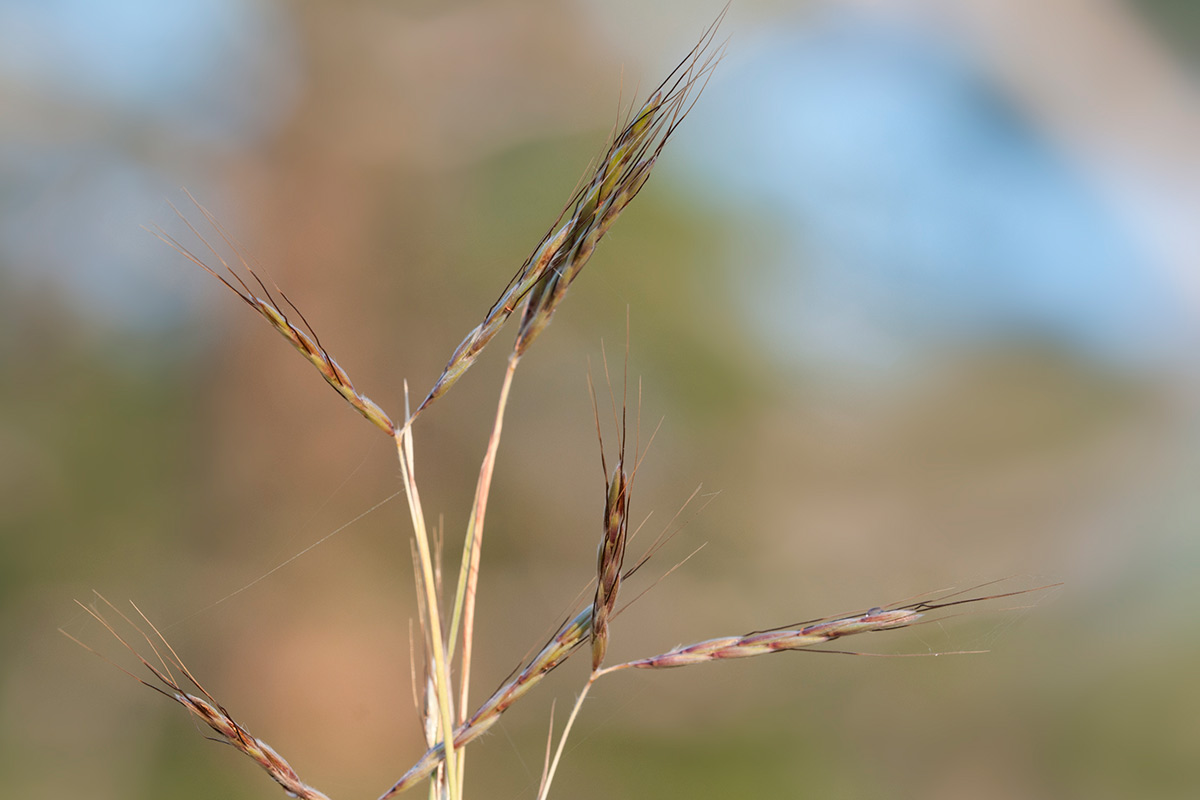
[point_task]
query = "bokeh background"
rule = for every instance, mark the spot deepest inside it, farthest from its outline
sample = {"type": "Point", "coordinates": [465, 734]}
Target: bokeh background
{"type": "Point", "coordinates": [914, 289]}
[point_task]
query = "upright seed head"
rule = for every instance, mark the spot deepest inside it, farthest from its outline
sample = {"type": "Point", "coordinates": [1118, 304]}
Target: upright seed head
{"type": "Point", "coordinates": [543, 279]}
{"type": "Point", "coordinates": [609, 560]}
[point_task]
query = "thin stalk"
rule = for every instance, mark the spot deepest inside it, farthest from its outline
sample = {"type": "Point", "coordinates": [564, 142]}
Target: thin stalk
{"type": "Point", "coordinates": [468, 577]}
{"type": "Point", "coordinates": [404, 450]}
{"type": "Point", "coordinates": [545, 788]}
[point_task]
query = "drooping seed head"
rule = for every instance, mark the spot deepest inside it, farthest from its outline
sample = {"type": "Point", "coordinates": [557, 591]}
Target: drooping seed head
{"type": "Point", "coordinates": [205, 707]}
{"type": "Point", "coordinates": [307, 343]}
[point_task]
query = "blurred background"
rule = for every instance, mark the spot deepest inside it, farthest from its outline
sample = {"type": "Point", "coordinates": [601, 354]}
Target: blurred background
{"type": "Point", "coordinates": [914, 289]}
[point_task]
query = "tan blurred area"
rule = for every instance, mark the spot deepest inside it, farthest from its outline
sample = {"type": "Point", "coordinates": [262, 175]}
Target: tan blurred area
{"type": "Point", "coordinates": [389, 166]}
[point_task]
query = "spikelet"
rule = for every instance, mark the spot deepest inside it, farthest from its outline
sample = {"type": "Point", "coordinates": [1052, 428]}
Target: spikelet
{"type": "Point", "coordinates": [806, 635]}
{"type": "Point", "coordinates": [773, 641]}
{"type": "Point", "coordinates": [610, 559]}
{"type": "Point", "coordinates": [543, 279]}
{"type": "Point", "coordinates": [306, 342]}
{"type": "Point", "coordinates": [568, 638]}
{"type": "Point", "coordinates": [203, 706]}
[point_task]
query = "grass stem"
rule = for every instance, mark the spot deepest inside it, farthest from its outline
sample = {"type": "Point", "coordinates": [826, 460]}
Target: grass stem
{"type": "Point", "coordinates": [468, 578]}
{"type": "Point", "coordinates": [544, 789]}
{"type": "Point", "coordinates": [441, 670]}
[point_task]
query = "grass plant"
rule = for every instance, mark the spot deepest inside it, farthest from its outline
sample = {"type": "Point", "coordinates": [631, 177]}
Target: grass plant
{"type": "Point", "coordinates": [533, 295]}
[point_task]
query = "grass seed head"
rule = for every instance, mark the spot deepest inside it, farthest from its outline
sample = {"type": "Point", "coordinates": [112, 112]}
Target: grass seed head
{"type": "Point", "coordinates": [610, 560]}
{"type": "Point", "coordinates": [543, 279]}
{"type": "Point", "coordinates": [565, 642]}
{"type": "Point", "coordinates": [203, 706]}
{"type": "Point", "coordinates": [805, 635]}
{"type": "Point", "coordinates": [306, 342]}
{"type": "Point", "coordinates": [764, 642]}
